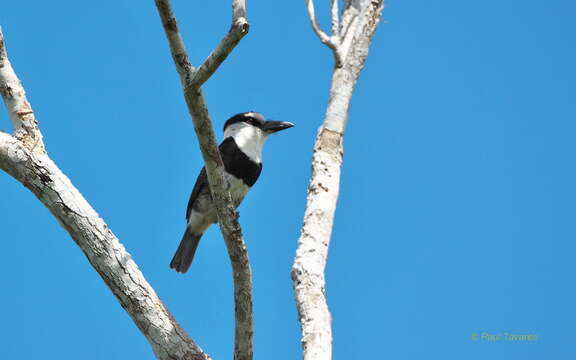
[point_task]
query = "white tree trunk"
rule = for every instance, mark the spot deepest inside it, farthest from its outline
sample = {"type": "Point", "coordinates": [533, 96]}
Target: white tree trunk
{"type": "Point", "coordinates": [350, 46]}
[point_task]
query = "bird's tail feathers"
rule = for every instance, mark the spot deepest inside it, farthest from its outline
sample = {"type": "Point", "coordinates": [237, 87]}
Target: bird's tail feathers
{"type": "Point", "coordinates": [185, 253]}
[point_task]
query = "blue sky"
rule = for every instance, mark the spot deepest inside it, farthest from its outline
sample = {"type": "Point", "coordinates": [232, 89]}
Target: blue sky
{"type": "Point", "coordinates": [457, 206]}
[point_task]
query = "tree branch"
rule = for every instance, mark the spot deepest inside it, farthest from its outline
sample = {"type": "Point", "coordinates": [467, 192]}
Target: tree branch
{"type": "Point", "coordinates": [310, 261]}
{"type": "Point", "coordinates": [325, 39]}
{"type": "Point", "coordinates": [191, 80]}
{"type": "Point", "coordinates": [23, 157]}
{"type": "Point", "coordinates": [104, 252]}
{"type": "Point", "coordinates": [239, 28]}
{"type": "Point", "coordinates": [334, 13]}
{"type": "Point", "coordinates": [21, 114]}
{"type": "Point", "coordinates": [238, 10]}
{"type": "Point", "coordinates": [331, 42]}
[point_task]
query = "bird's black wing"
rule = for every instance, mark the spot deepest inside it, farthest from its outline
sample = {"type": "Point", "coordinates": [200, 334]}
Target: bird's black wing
{"type": "Point", "coordinates": [201, 184]}
{"type": "Point", "coordinates": [235, 162]}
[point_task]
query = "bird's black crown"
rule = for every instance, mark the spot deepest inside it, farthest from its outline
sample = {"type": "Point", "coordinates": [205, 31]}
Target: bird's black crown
{"type": "Point", "coordinates": [250, 117]}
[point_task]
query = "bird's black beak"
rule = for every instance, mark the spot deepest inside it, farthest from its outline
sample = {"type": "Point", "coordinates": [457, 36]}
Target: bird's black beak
{"type": "Point", "coordinates": [272, 126]}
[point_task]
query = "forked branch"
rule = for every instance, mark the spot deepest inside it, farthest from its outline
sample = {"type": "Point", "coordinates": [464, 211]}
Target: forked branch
{"type": "Point", "coordinates": [360, 19]}
{"type": "Point", "coordinates": [191, 79]}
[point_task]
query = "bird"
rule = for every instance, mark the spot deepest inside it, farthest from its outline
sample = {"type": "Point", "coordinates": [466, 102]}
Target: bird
{"type": "Point", "coordinates": [241, 152]}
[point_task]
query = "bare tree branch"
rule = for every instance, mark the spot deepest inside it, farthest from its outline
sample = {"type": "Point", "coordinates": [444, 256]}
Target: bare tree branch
{"type": "Point", "coordinates": [334, 13]}
{"type": "Point", "coordinates": [21, 114]}
{"type": "Point", "coordinates": [312, 14]}
{"type": "Point", "coordinates": [21, 159]}
{"type": "Point", "coordinates": [237, 31]}
{"type": "Point", "coordinates": [331, 42]}
{"type": "Point", "coordinates": [238, 10]}
{"type": "Point", "coordinates": [349, 22]}
{"type": "Point", "coordinates": [108, 257]}
{"type": "Point", "coordinates": [312, 252]}
{"type": "Point", "coordinates": [191, 80]}
{"type": "Point", "coordinates": [230, 228]}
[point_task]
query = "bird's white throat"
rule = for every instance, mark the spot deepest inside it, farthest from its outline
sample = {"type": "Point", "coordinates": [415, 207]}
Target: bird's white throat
{"type": "Point", "coordinates": [249, 139]}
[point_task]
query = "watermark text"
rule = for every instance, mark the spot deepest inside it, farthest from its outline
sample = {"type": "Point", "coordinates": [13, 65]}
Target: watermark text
{"type": "Point", "coordinates": [503, 336]}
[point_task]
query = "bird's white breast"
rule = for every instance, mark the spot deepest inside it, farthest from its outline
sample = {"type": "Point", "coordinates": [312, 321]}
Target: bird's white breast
{"type": "Point", "coordinates": [200, 221]}
{"type": "Point", "coordinates": [238, 189]}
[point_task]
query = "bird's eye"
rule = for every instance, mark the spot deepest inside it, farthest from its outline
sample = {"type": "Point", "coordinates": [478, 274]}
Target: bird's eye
{"type": "Point", "coordinates": [253, 122]}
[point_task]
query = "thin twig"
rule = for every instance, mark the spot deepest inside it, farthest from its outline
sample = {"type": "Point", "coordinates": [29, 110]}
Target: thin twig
{"type": "Point", "coordinates": [238, 10]}
{"type": "Point", "coordinates": [325, 39]}
{"type": "Point", "coordinates": [335, 21]}
{"type": "Point", "coordinates": [333, 41]}
{"type": "Point", "coordinates": [239, 28]}
{"type": "Point", "coordinates": [23, 120]}
{"type": "Point", "coordinates": [227, 217]}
